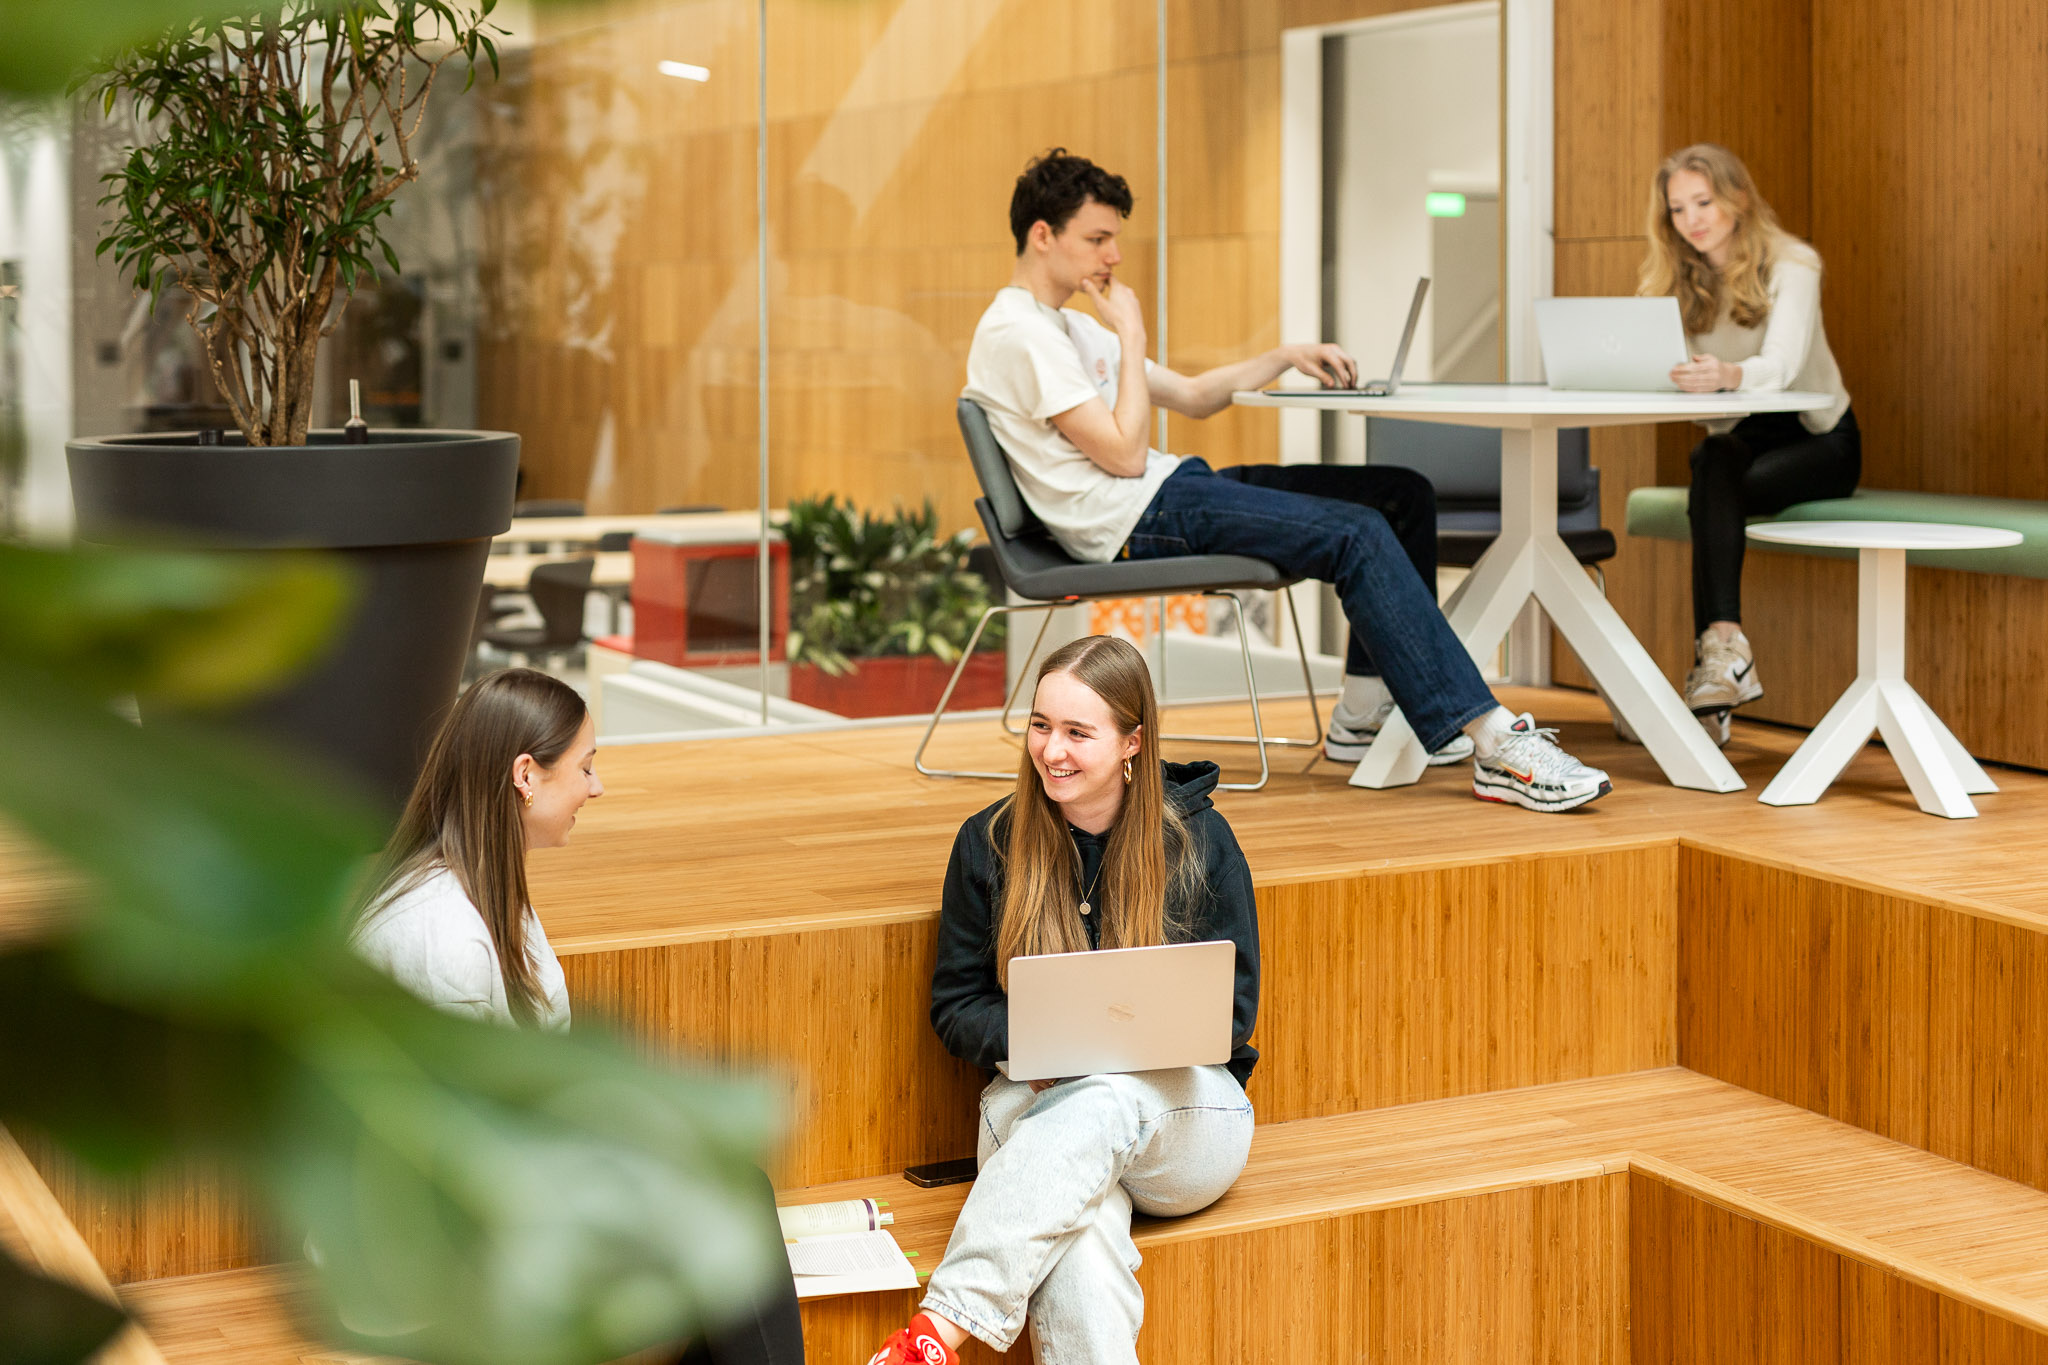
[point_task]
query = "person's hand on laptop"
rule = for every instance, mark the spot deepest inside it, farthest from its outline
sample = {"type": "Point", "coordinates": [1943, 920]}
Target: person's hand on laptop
{"type": "Point", "coordinates": [1040, 1087]}
{"type": "Point", "coordinates": [1325, 361]}
{"type": "Point", "coordinates": [1704, 374]}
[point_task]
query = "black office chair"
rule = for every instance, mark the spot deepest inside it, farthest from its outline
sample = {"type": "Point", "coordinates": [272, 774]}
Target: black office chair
{"type": "Point", "coordinates": [1464, 465]}
{"type": "Point", "coordinates": [1034, 567]}
{"type": "Point", "coordinates": [557, 589]}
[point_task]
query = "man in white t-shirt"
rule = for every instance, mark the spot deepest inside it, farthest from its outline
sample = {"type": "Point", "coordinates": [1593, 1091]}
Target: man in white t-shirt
{"type": "Point", "coordinates": [1070, 400]}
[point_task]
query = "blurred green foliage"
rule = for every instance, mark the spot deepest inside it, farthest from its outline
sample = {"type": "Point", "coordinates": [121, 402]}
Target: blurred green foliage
{"type": "Point", "coordinates": [475, 1194]}
{"type": "Point", "coordinates": [864, 585]}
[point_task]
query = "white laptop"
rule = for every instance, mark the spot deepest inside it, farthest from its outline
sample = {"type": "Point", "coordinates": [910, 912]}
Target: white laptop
{"type": "Point", "coordinates": [1121, 1009]}
{"type": "Point", "coordinates": [1628, 344]}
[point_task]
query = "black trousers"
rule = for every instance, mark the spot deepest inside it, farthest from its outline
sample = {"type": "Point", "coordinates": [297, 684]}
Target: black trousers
{"type": "Point", "coordinates": [771, 1333]}
{"type": "Point", "coordinates": [1767, 463]}
{"type": "Point", "coordinates": [1405, 498]}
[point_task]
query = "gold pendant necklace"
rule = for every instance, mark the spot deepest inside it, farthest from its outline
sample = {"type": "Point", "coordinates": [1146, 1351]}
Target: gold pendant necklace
{"type": "Point", "coordinates": [1087, 896]}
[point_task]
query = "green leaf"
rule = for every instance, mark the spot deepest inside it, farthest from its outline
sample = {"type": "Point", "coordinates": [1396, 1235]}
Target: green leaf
{"type": "Point", "coordinates": [43, 1322]}
{"type": "Point", "coordinates": [183, 629]}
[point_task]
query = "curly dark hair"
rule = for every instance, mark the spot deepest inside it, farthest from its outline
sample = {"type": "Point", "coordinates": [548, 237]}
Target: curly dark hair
{"type": "Point", "coordinates": [1055, 186]}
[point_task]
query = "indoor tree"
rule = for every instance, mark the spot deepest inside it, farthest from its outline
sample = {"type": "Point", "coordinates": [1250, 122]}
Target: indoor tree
{"type": "Point", "coordinates": [272, 144]}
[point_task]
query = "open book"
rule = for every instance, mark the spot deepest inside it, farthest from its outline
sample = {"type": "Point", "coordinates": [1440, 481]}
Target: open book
{"type": "Point", "coordinates": [843, 1248]}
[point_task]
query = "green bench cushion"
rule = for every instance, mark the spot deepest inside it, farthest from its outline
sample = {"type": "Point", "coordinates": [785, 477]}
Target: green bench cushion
{"type": "Point", "coordinates": [1660, 512]}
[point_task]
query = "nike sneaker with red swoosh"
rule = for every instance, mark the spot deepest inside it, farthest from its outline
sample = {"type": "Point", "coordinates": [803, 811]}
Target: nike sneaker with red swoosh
{"type": "Point", "coordinates": [917, 1344]}
{"type": "Point", "coordinates": [1529, 770]}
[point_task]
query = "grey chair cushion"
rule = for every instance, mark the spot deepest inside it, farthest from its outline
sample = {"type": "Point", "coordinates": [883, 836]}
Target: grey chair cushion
{"type": "Point", "coordinates": [1463, 463]}
{"type": "Point", "coordinates": [1035, 567]}
{"type": "Point", "coordinates": [992, 468]}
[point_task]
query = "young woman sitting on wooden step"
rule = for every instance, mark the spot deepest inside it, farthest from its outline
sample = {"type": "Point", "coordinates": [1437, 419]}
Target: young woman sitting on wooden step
{"type": "Point", "coordinates": [448, 915]}
{"type": "Point", "coordinates": [1749, 293]}
{"type": "Point", "coordinates": [1102, 845]}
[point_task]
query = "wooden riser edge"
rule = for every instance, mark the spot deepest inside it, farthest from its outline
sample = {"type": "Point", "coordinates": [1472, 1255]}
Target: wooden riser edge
{"type": "Point", "coordinates": [1381, 989]}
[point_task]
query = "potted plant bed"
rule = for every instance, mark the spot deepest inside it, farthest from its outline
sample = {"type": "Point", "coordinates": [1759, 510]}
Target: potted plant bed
{"type": "Point", "coordinates": [270, 147]}
{"type": "Point", "coordinates": [880, 608]}
{"type": "Point", "coordinates": [409, 516]}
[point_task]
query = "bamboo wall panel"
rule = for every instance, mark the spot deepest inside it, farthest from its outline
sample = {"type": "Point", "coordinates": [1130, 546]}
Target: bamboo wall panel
{"type": "Point", "coordinates": [1937, 300]}
{"type": "Point", "coordinates": [179, 1221]}
{"type": "Point", "coordinates": [1710, 1285]}
{"type": "Point", "coordinates": [1916, 1021]}
{"type": "Point", "coordinates": [1537, 1273]}
{"type": "Point", "coordinates": [1396, 988]}
{"type": "Point", "coordinates": [1608, 99]}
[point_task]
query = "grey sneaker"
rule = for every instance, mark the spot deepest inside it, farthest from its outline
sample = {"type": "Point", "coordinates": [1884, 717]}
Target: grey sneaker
{"type": "Point", "coordinates": [1724, 678]}
{"type": "Point", "coordinates": [1530, 771]}
{"type": "Point", "coordinates": [1342, 744]}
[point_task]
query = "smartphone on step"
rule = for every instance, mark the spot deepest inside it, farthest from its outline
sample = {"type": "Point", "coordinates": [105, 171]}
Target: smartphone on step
{"type": "Point", "coordinates": [958, 1172]}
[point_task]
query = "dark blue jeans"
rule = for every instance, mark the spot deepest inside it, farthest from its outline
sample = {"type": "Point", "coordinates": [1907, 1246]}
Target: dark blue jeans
{"type": "Point", "coordinates": [1322, 521]}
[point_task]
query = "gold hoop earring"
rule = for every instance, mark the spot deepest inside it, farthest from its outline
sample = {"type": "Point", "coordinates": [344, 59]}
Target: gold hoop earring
{"type": "Point", "coordinates": [527, 794]}
{"type": "Point", "coordinates": [1127, 772]}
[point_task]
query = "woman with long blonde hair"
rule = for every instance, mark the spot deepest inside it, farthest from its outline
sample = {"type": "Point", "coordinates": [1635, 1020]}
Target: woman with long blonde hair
{"type": "Point", "coordinates": [1749, 292]}
{"type": "Point", "coordinates": [1101, 845]}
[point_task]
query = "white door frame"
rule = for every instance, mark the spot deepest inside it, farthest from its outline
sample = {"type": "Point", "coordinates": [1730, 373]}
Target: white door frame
{"type": "Point", "coordinates": [1527, 223]}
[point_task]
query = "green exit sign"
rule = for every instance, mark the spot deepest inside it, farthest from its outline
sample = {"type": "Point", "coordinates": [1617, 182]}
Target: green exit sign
{"type": "Point", "coordinates": [1441, 204]}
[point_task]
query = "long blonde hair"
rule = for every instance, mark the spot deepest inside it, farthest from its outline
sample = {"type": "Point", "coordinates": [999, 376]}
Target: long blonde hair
{"type": "Point", "coordinates": [1149, 864]}
{"type": "Point", "coordinates": [464, 813]}
{"type": "Point", "coordinates": [1675, 267]}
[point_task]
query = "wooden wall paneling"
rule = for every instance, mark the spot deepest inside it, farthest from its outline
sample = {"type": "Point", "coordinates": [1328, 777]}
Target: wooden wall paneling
{"type": "Point", "coordinates": [1536, 1273]}
{"type": "Point", "coordinates": [181, 1220]}
{"type": "Point", "coordinates": [1753, 96]}
{"type": "Point", "coordinates": [672, 999]}
{"type": "Point", "coordinates": [1916, 1021]}
{"type": "Point", "coordinates": [1708, 1285]}
{"type": "Point", "coordinates": [845, 1015]}
{"type": "Point", "coordinates": [1608, 104]}
{"type": "Point", "coordinates": [1970, 1336]}
{"type": "Point", "coordinates": [1937, 301]}
{"type": "Point", "coordinates": [1407, 986]}
{"type": "Point", "coordinates": [1886, 1320]}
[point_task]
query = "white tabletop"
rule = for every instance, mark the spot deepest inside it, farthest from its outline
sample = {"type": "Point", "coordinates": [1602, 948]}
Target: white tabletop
{"type": "Point", "coordinates": [1520, 404]}
{"type": "Point", "coordinates": [1884, 535]}
{"type": "Point", "coordinates": [687, 528]}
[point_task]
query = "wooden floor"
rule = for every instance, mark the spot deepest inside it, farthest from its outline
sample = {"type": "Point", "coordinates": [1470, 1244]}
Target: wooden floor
{"type": "Point", "coordinates": [724, 838]}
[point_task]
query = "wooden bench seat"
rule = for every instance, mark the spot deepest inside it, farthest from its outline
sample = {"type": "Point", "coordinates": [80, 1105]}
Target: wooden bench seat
{"type": "Point", "coordinates": [1479, 1227]}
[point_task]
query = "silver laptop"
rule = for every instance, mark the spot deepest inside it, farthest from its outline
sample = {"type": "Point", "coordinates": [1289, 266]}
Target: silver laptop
{"type": "Point", "coordinates": [1121, 1009]}
{"type": "Point", "coordinates": [1382, 388]}
{"type": "Point", "coordinates": [1629, 344]}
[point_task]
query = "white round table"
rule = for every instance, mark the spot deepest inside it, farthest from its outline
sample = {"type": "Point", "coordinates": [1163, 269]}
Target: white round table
{"type": "Point", "coordinates": [1529, 561]}
{"type": "Point", "coordinates": [1938, 769]}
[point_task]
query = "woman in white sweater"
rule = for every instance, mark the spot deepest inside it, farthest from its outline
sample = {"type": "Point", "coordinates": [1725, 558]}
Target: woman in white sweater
{"type": "Point", "coordinates": [448, 915]}
{"type": "Point", "coordinates": [1750, 295]}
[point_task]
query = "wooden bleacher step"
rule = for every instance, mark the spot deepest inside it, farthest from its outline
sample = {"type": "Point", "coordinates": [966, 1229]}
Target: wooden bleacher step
{"type": "Point", "coordinates": [1655, 1216]}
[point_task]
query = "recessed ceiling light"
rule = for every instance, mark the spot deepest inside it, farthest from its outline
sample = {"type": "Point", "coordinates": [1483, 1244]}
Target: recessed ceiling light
{"type": "Point", "coordinates": [685, 71]}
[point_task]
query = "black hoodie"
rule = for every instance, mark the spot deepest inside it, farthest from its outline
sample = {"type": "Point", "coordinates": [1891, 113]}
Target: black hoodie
{"type": "Point", "coordinates": [970, 1011]}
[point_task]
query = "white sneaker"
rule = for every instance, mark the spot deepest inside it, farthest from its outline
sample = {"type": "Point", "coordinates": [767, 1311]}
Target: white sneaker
{"type": "Point", "coordinates": [1725, 676]}
{"type": "Point", "coordinates": [1341, 744]}
{"type": "Point", "coordinates": [1530, 771]}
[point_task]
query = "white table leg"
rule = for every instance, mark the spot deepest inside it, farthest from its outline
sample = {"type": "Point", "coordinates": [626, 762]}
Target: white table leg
{"type": "Point", "coordinates": [1530, 561]}
{"type": "Point", "coordinates": [1936, 767]}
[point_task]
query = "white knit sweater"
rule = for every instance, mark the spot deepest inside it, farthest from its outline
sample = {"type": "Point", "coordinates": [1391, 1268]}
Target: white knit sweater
{"type": "Point", "coordinates": [432, 940]}
{"type": "Point", "coordinates": [1790, 351]}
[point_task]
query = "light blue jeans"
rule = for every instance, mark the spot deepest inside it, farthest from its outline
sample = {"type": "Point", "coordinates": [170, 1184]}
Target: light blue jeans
{"type": "Point", "coordinates": [1046, 1232]}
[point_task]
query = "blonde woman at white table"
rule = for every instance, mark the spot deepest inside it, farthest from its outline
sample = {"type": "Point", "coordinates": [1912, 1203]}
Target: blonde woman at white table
{"type": "Point", "coordinates": [1749, 292]}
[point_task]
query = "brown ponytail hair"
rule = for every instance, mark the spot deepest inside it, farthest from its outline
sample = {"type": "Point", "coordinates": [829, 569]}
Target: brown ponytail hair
{"type": "Point", "coordinates": [464, 813]}
{"type": "Point", "coordinates": [1148, 866]}
{"type": "Point", "coordinates": [1675, 267]}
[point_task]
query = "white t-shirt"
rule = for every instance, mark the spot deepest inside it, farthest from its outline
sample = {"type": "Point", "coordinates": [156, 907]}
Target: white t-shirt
{"type": "Point", "coordinates": [1790, 351]}
{"type": "Point", "coordinates": [432, 940]}
{"type": "Point", "coordinates": [1030, 363]}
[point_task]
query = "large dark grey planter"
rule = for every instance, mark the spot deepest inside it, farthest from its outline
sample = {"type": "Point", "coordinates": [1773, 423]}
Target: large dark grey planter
{"type": "Point", "coordinates": [410, 517]}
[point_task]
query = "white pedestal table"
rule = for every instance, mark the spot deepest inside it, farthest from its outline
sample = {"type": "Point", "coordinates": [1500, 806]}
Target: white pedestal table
{"type": "Point", "coordinates": [1530, 561]}
{"type": "Point", "coordinates": [1938, 769]}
